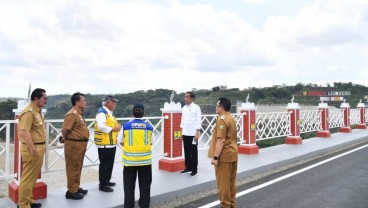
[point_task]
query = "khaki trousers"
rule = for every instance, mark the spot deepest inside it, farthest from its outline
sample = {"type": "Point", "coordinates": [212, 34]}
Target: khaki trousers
{"type": "Point", "coordinates": [31, 169]}
{"type": "Point", "coordinates": [226, 182]}
{"type": "Point", "coordinates": [74, 155]}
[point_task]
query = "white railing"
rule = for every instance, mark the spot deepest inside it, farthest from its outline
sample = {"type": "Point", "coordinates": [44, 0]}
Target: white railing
{"type": "Point", "coordinates": [6, 156]}
{"type": "Point", "coordinates": [239, 124]}
{"type": "Point", "coordinates": [336, 118]}
{"type": "Point", "coordinates": [208, 123]}
{"type": "Point", "coordinates": [310, 121]}
{"type": "Point", "coordinates": [272, 125]}
{"type": "Point", "coordinates": [354, 116]}
{"type": "Point", "coordinates": [54, 157]}
{"type": "Point", "coordinates": [268, 126]}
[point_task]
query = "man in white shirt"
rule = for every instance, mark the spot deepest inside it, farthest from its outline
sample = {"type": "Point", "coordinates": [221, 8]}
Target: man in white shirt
{"type": "Point", "coordinates": [190, 126]}
{"type": "Point", "coordinates": [106, 130]}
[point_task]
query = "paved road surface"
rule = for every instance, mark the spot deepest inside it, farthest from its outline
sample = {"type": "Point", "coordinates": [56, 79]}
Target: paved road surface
{"type": "Point", "coordinates": [339, 183]}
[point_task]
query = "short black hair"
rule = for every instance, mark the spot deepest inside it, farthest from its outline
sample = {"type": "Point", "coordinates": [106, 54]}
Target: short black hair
{"type": "Point", "coordinates": [138, 110]}
{"type": "Point", "coordinates": [76, 97]}
{"type": "Point", "coordinates": [37, 93]}
{"type": "Point", "coordinates": [191, 94]}
{"type": "Point", "coordinates": [225, 103]}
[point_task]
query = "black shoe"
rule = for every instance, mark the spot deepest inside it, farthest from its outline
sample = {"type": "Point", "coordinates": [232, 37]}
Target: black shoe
{"type": "Point", "coordinates": [185, 171]}
{"type": "Point", "coordinates": [36, 205]}
{"type": "Point", "coordinates": [111, 183]}
{"type": "Point", "coordinates": [82, 191]}
{"type": "Point", "coordinates": [194, 173]}
{"type": "Point", "coordinates": [75, 196]}
{"type": "Point", "coordinates": [106, 189]}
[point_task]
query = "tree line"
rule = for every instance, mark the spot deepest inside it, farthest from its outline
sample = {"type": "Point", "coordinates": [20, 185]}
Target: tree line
{"type": "Point", "coordinates": [154, 100]}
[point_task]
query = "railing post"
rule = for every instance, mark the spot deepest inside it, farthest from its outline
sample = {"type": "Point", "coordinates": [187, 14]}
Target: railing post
{"type": "Point", "coordinates": [248, 145]}
{"type": "Point", "coordinates": [7, 155]}
{"type": "Point", "coordinates": [325, 131]}
{"type": "Point", "coordinates": [40, 188]}
{"type": "Point", "coordinates": [173, 161]}
{"type": "Point", "coordinates": [362, 124]}
{"type": "Point", "coordinates": [294, 138]}
{"type": "Point", "coordinates": [346, 128]}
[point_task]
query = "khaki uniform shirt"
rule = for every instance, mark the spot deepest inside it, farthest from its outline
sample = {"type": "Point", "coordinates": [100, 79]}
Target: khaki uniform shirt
{"type": "Point", "coordinates": [31, 120]}
{"type": "Point", "coordinates": [225, 129]}
{"type": "Point", "coordinates": [74, 122]}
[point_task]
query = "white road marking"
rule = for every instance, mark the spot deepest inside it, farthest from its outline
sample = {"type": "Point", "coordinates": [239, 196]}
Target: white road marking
{"type": "Point", "coordinates": [285, 176]}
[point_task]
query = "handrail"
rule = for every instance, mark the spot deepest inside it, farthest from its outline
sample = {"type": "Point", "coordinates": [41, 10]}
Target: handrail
{"type": "Point", "coordinates": [269, 125]}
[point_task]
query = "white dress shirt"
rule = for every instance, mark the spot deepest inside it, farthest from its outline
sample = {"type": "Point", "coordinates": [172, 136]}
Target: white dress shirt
{"type": "Point", "coordinates": [101, 123]}
{"type": "Point", "coordinates": [190, 119]}
{"type": "Point", "coordinates": [120, 137]}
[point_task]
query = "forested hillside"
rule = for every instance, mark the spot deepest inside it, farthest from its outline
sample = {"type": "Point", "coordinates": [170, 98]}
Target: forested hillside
{"type": "Point", "coordinates": [154, 100]}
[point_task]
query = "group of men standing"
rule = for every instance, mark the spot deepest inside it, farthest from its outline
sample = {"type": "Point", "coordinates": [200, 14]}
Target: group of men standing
{"type": "Point", "coordinates": [136, 138]}
{"type": "Point", "coordinates": [75, 136]}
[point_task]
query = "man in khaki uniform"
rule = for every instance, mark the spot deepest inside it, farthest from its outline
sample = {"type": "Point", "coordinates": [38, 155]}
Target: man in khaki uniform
{"type": "Point", "coordinates": [224, 153]}
{"type": "Point", "coordinates": [75, 135]}
{"type": "Point", "coordinates": [32, 135]}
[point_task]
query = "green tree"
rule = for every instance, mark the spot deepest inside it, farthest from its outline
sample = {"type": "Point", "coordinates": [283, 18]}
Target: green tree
{"type": "Point", "coordinates": [6, 109]}
{"type": "Point", "coordinates": [6, 113]}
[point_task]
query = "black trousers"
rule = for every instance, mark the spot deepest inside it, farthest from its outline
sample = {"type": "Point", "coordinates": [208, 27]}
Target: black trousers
{"type": "Point", "coordinates": [190, 153]}
{"type": "Point", "coordinates": [144, 181]}
{"type": "Point", "coordinates": [107, 158]}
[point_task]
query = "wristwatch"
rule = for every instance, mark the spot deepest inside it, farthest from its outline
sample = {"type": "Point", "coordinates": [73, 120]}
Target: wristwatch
{"type": "Point", "coordinates": [215, 158]}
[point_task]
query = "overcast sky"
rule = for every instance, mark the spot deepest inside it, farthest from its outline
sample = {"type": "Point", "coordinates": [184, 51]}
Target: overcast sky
{"type": "Point", "coordinates": [121, 46]}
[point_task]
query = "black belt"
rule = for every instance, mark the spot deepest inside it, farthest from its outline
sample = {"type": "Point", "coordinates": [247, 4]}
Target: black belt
{"type": "Point", "coordinates": [78, 140]}
{"type": "Point", "coordinates": [107, 146]}
{"type": "Point", "coordinates": [37, 143]}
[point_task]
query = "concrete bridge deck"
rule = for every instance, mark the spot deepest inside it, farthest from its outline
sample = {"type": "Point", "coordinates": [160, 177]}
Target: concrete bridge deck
{"type": "Point", "coordinates": [170, 186]}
